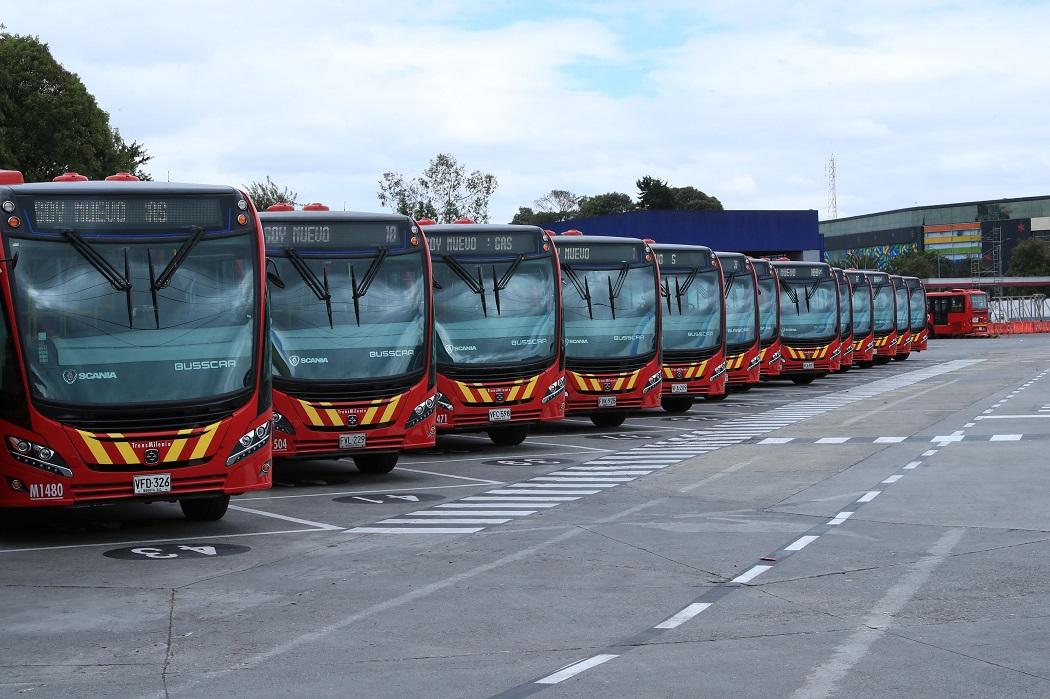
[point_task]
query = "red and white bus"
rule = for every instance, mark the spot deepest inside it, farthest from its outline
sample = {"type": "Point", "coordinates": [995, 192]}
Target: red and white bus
{"type": "Point", "coordinates": [743, 350]}
{"type": "Point", "coordinates": [134, 357]}
{"type": "Point", "coordinates": [809, 319]}
{"type": "Point", "coordinates": [845, 319]}
{"type": "Point", "coordinates": [771, 356]}
{"type": "Point", "coordinates": [863, 310]}
{"type": "Point", "coordinates": [693, 333]}
{"type": "Point", "coordinates": [498, 328]}
{"type": "Point", "coordinates": [920, 333]}
{"type": "Point", "coordinates": [903, 316]}
{"type": "Point", "coordinates": [959, 313]}
{"type": "Point", "coordinates": [351, 323]}
{"type": "Point", "coordinates": [884, 317]}
{"type": "Point", "coordinates": [611, 291]}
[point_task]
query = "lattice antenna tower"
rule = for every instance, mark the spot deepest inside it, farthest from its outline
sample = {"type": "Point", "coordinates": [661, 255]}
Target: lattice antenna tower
{"type": "Point", "coordinates": [833, 197]}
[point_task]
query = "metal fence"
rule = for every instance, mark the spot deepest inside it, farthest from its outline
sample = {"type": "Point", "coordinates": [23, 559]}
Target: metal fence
{"type": "Point", "coordinates": [1019, 308]}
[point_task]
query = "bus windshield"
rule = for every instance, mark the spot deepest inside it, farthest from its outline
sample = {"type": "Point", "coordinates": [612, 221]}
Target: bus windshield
{"type": "Point", "coordinates": [601, 322]}
{"type": "Point", "coordinates": [979, 301]}
{"type": "Point", "coordinates": [740, 309]}
{"type": "Point", "coordinates": [333, 321]}
{"type": "Point", "coordinates": [808, 309]}
{"type": "Point", "coordinates": [100, 328]}
{"type": "Point", "coordinates": [692, 310]}
{"type": "Point", "coordinates": [884, 311]}
{"type": "Point", "coordinates": [902, 308]}
{"type": "Point", "coordinates": [845, 316]}
{"type": "Point", "coordinates": [767, 309]}
{"type": "Point", "coordinates": [494, 312]}
{"type": "Point", "coordinates": [861, 310]}
{"type": "Point", "coordinates": [918, 308]}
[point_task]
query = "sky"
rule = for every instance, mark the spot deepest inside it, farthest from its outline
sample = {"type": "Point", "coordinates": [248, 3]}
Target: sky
{"type": "Point", "coordinates": [920, 101]}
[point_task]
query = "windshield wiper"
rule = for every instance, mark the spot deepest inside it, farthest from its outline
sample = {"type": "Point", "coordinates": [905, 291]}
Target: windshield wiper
{"type": "Point", "coordinates": [614, 292]}
{"type": "Point", "coordinates": [793, 295]}
{"type": "Point", "coordinates": [584, 289]}
{"type": "Point", "coordinates": [319, 287]}
{"type": "Point", "coordinates": [184, 250]}
{"type": "Point", "coordinates": [475, 285]}
{"type": "Point", "coordinates": [729, 282]}
{"type": "Point", "coordinates": [680, 291]}
{"type": "Point", "coordinates": [103, 267]}
{"type": "Point", "coordinates": [501, 284]}
{"type": "Point", "coordinates": [370, 276]}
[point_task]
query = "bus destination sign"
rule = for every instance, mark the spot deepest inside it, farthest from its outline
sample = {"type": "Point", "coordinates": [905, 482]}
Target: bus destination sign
{"type": "Point", "coordinates": [803, 271]}
{"type": "Point", "coordinates": [684, 258]}
{"type": "Point", "coordinates": [732, 264]}
{"type": "Point", "coordinates": [333, 234]}
{"type": "Point", "coordinates": [81, 213]}
{"type": "Point", "coordinates": [482, 244]}
{"type": "Point", "coordinates": [598, 254]}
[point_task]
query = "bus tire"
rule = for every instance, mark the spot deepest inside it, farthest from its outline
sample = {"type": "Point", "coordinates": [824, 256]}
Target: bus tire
{"type": "Point", "coordinates": [209, 509]}
{"type": "Point", "coordinates": [866, 365]}
{"type": "Point", "coordinates": [376, 464]}
{"type": "Point", "coordinates": [508, 435]}
{"type": "Point", "coordinates": [803, 380]}
{"type": "Point", "coordinates": [676, 404]}
{"type": "Point", "coordinates": [719, 396]}
{"type": "Point", "coordinates": [612, 419]}
{"type": "Point", "coordinates": [738, 388]}
{"type": "Point", "coordinates": [901, 357]}
{"type": "Point", "coordinates": [880, 360]}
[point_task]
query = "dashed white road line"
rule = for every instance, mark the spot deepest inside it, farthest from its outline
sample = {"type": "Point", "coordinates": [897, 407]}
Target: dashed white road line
{"type": "Point", "coordinates": [683, 616]}
{"type": "Point", "coordinates": [1005, 438]}
{"type": "Point", "coordinates": [750, 574]}
{"type": "Point", "coordinates": [286, 518]}
{"type": "Point", "coordinates": [869, 496]}
{"type": "Point", "coordinates": [801, 543]}
{"type": "Point", "coordinates": [840, 518]}
{"type": "Point", "coordinates": [576, 668]}
{"type": "Point", "coordinates": [894, 478]}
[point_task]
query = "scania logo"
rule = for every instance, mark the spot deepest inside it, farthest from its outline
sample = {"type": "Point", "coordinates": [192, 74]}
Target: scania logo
{"type": "Point", "coordinates": [69, 376]}
{"type": "Point", "coordinates": [152, 456]}
{"type": "Point", "coordinates": [679, 373]}
{"type": "Point", "coordinates": [351, 420]}
{"type": "Point", "coordinates": [500, 397]}
{"type": "Point", "coordinates": [293, 360]}
{"type": "Point", "coordinates": [607, 386]}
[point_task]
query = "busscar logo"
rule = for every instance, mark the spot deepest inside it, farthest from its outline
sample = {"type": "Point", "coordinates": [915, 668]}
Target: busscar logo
{"type": "Point", "coordinates": [205, 365]}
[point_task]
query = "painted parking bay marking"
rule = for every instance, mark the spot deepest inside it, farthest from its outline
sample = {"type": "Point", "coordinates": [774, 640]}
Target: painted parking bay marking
{"type": "Point", "coordinates": [388, 498]}
{"type": "Point", "coordinates": [170, 552]}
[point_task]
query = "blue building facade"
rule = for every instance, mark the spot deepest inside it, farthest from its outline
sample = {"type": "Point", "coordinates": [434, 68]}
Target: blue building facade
{"type": "Point", "coordinates": [794, 234]}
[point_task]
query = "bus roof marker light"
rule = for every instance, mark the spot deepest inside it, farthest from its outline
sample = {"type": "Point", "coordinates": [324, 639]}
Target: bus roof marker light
{"type": "Point", "coordinates": [70, 177]}
{"type": "Point", "coordinates": [282, 206]}
{"type": "Point", "coordinates": [316, 206]}
{"type": "Point", "coordinates": [11, 177]}
{"type": "Point", "coordinates": [572, 231]}
{"type": "Point", "coordinates": [465, 220]}
{"type": "Point", "coordinates": [426, 222]}
{"type": "Point", "coordinates": [122, 176]}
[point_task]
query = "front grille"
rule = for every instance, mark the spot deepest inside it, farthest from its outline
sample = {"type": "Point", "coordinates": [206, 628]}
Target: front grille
{"type": "Point", "coordinates": [493, 372]}
{"type": "Point", "coordinates": [607, 366]}
{"type": "Point", "coordinates": [517, 416]}
{"type": "Point", "coordinates": [807, 343]}
{"type": "Point", "coordinates": [346, 391]}
{"type": "Point", "coordinates": [145, 423]}
{"type": "Point", "coordinates": [688, 355]}
{"type": "Point", "coordinates": [123, 489]}
{"type": "Point", "coordinates": [144, 468]}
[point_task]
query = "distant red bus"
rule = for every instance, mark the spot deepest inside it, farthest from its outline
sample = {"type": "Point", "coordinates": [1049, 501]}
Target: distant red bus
{"type": "Point", "coordinates": [809, 314]}
{"type": "Point", "coordinates": [743, 351]}
{"type": "Point", "coordinates": [845, 319]}
{"type": "Point", "coordinates": [884, 316]}
{"type": "Point", "coordinates": [959, 313]}
{"type": "Point", "coordinates": [917, 302]}
{"type": "Point", "coordinates": [770, 355]}
{"type": "Point", "coordinates": [863, 311]}
{"type": "Point", "coordinates": [903, 316]}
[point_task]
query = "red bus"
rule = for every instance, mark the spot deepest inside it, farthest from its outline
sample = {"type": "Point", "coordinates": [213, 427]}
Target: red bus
{"type": "Point", "coordinates": [743, 350]}
{"type": "Point", "coordinates": [845, 319]}
{"type": "Point", "coordinates": [612, 326]}
{"type": "Point", "coordinates": [351, 322]}
{"type": "Point", "coordinates": [693, 326]}
{"type": "Point", "coordinates": [770, 354]}
{"type": "Point", "coordinates": [498, 328]}
{"type": "Point", "coordinates": [135, 349]}
{"type": "Point", "coordinates": [903, 315]}
{"type": "Point", "coordinates": [863, 309]}
{"type": "Point", "coordinates": [809, 319]}
{"type": "Point", "coordinates": [920, 333]}
{"type": "Point", "coordinates": [884, 316]}
{"type": "Point", "coordinates": [959, 313]}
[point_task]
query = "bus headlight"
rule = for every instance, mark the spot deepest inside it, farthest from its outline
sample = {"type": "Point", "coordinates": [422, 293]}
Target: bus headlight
{"type": "Point", "coordinates": [554, 390]}
{"type": "Point", "coordinates": [422, 411]}
{"type": "Point", "coordinates": [282, 424]}
{"type": "Point", "coordinates": [653, 382]}
{"type": "Point", "coordinates": [442, 401]}
{"type": "Point", "coordinates": [249, 443]}
{"type": "Point", "coordinates": [38, 456]}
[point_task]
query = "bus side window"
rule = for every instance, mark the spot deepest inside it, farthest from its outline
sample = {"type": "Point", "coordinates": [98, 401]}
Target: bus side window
{"type": "Point", "coordinates": [958, 304]}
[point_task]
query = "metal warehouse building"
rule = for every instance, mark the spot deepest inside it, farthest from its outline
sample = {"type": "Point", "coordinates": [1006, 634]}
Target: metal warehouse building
{"type": "Point", "coordinates": [794, 234]}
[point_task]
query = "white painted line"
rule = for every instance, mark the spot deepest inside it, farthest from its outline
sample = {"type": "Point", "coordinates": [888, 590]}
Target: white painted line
{"type": "Point", "coordinates": [929, 452]}
{"type": "Point", "coordinates": [601, 471]}
{"type": "Point", "coordinates": [414, 530]}
{"type": "Point", "coordinates": [840, 518]}
{"type": "Point", "coordinates": [329, 494]}
{"type": "Point", "coordinates": [465, 520]}
{"type": "Point", "coordinates": [869, 496]}
{"type": "Point", "coordinates": [890, 440]}
{"type": "Point", "coordinates": [832, 440]}
{"type": "Point", "coordinates": [449, 475]}
{"type": "Point", "coordinates": [576, 668]}
{"type": "Point", "coordinates": [551, 444]}
{"type": "Point", "coordinates": [912, 465]}
{"type": "Point", "coordinates": [157, 541]}
{"type": "Point", "coordinates": [1010, 417]}
{"type": "Point", "coordinates": [498, 503]}
{"type": "Point", "coordinates": [801, 543]}
{"type": "Point", "coordinates": [286, 518]}
{"type": "Point", "coordinates": [751, 574]}
{"type": "Point", "coordinates": [556, 500]}
{"type": "Point", "coordinates": [970, 424]}
{"type": "Point", "coordinates": [472, 513]}
{"type": "Point", "coordinates": [985, 412]}
{"type": "Point", "coordinates": [946, 438]}
{"type": "Point", "coordinates": [425, 462]}
{"type": "Point", "coordinates": [582, 479]}
{"type": "Point", "coordinates": [894, 478]}
{"type": "Point", "coordinates": [683, 616]}
{"type": "Point", "coordinates": [1005, 438]}
{"type": "Point", "coordinates": [529, 484]}
{"type": "Point", "coordinates": [544, 492]}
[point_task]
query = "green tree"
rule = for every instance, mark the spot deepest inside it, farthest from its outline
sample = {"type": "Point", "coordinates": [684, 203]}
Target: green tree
{"type": "Point", "coordinates": [265, 194]}
{"type": "Point", "coordinates": [526, 216]}
{"type": "Point", "coordinates": [654, 194]}
{"type": "Point", "coordinates": [444, 191]}
{"type": "Point", "coordinates": [50, 123]}
{"type": "Point", "coordinates": [1030, 258]}
{"type": "Point", "coordinates": [692, 199]}
{"type": "Point", "coordinates": [560, 201]}
{"type": "Point", "coordinates": [914, 263]}
{"type": "Point", "coordinates": [605, 204]}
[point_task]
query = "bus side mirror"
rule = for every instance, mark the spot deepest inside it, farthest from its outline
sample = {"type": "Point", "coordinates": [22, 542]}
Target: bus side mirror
{"type": "Point", "coordinates": [272, 275]}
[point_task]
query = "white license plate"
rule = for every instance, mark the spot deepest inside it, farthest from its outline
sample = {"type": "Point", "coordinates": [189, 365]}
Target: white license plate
{"type": "Point", "coordinates": [679, 388]}
{"type": "Point", "coordinates": [153, 483]}
{"type": "Point", "coordinates": [808, 365]}
{"type": "Point", "coordinates": [606, 401]}
{"type": "Point", "coordinates": [499, 414]}
{"type": "Point", "coordinates": [355, 440]}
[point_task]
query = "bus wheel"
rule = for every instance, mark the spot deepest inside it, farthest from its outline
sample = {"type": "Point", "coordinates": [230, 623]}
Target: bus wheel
{"type": "Point", "coordinates": [738, 388]}
{"type": "Point", "coordinates": [608, 419]}
{"type": "Point", "coordinates": [803, 380]}
{"type": "Point", "coordinates": [866, 365]}
{"type": "Point", "coordinates": [375, 463]}
{"type": "Point", "coordinates": [720, 396]}
{"type": "Point", "coordinates": [882, 360]}
{"type": "Point", "coordinates": [207, 509]}
{"type": "Point", "coordinates": [901, 357]}
{"type": "Point", "coordinates": [508, 435]}
{"type": "Point", "coordinates": [676, 404]}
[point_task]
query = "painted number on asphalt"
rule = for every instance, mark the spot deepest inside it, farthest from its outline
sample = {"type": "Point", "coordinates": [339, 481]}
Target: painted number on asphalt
{"type": "Point", "coordinates": [167, 552]}
{"type": "Point", "coordinates": [526, 461]}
